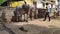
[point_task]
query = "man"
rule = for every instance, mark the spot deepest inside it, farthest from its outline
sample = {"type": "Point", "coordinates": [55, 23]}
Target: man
{"type": "Point", "coordinates": [16, 13]}
{"type": "Point", "coordinates": [32, 10]}
{"type": "Point", "coordinates": [55, 12]}
{"type": "Point", "coordinates": [47, 12]}
{"type": "Point", "coordinates": [26, 9]}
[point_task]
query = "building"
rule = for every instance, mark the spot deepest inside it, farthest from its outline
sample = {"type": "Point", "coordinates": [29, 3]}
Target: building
{"type": "Point", "coordinates": [40, 3]}
{"type": "Point", "coordinates": [20, 3]}
{"type": "Point", "coordinates": [58, 3]}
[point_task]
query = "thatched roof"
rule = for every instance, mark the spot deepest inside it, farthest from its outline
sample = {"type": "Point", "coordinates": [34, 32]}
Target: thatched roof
{"type": "Point", "coordinates": [7, 2]}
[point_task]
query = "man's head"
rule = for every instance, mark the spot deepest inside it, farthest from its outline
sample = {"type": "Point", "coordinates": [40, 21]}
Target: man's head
{"type": "Point", "coordinates": [47, 4]}
{"type": "Point", "coordinates": [25, 2]}
{"type": "Point", "coordinates": [56, 8]}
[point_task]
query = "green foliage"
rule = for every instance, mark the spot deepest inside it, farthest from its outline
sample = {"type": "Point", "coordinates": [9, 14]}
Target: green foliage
{"type": "Point", "coordinates": [1, 1]}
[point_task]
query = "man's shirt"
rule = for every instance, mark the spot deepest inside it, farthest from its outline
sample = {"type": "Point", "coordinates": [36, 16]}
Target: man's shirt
{"type": "Point", "coordinates": [47, 8]}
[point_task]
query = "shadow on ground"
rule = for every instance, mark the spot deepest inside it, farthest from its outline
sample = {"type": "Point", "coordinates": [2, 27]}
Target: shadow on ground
{"type": "Point", "coordinates": [34, 29]}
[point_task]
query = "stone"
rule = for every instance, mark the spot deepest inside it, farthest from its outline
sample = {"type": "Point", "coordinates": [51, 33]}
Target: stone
{"type": "Point", "coordinates": [4, 32]}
